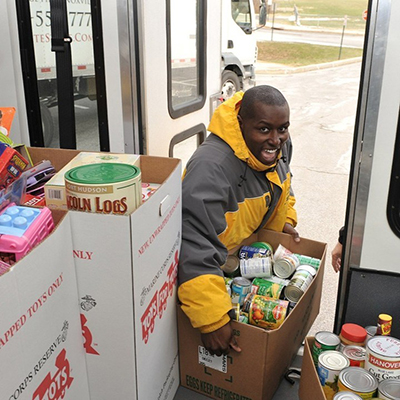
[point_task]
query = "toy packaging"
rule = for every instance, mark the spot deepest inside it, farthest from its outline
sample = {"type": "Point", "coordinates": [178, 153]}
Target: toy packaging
{"type": "Point", "coordinates": [12, 164]}
{"type": "Point", "coordinates": [21, 229]}
{"type": "Point", "coordinates": [6, 118]}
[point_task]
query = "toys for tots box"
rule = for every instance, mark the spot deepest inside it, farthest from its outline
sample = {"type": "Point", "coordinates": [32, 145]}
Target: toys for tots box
{"type": "Point", "coordinates": [41, 345]}
{"type": "Point", "coordinates": [256, 372]}
{"type": "Point", "coordinates": [127, 276]}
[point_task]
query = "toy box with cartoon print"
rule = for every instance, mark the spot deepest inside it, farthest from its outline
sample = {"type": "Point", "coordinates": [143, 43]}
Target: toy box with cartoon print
{"type": "Point", "coordinates": [266, 355]}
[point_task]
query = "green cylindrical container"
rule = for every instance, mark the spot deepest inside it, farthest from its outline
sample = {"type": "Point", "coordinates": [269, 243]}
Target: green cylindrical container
{"type": "Point", "coordinates": [105, 188]}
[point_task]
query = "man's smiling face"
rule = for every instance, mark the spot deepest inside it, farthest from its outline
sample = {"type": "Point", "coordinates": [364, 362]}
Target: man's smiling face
{"type": "Point", "coordinates": [266, 131]}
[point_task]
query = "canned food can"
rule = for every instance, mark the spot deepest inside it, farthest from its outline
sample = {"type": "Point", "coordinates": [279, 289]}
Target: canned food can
{"type": "Point", "coordinates": [256, 267]}
{"type": "Point", "coordinates": [384, 324]}
{"type": "Point", "coordinates": [281, 251]}
{"type": "Point", "coordinates": [346, 396]}
{"type": "Point", "coordinates": [265, 312]}
{"type": "Point", "coordinates": [359, 381]}
{"type": "Point", "coordinates": [253, 252]}
{"type": "Point", "coordinates": [267, 287]}
{"type": "Point", "coordinates": [104, 188]}
{"type": "Point", "coordinates": [228, 283]}
{"type": "Point", "coordinates": [231, 266]}
{"type": "Point", "coordinates": [383, 357]}
{"type": "Point", "coordinates": [263, 245]}
{"type": "Point", "coordinates": [234, 313]}
{"type": "Point", "coordinates": [389, 389]}
{"type": "Point", "coordinates": [306, 260]}
{"type": "Point", "coordinates": [299, 283]}
{"type": "Point", "coordinates": [371, 331]}
{"type": "Point", "coordinates": [284, 267]}
{"type": "Point", "coordinates": [324, 341]}
{"type": "Point", "coordinates": [239, 289]}
{"type": "Point", "coordinates": [356, 355]}
{"type": "Point", "coordinates": [243, 318]}
{"type": "Point", "coordinates": [330, 363]}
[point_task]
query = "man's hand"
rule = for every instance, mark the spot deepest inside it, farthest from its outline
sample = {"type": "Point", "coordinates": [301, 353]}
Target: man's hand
{"type": "Point", "coordinates": [291, 231]}
{"type": "Point", "coordinates": [220, 341]}
{"type": "Point", "coordinates": [337, 257]}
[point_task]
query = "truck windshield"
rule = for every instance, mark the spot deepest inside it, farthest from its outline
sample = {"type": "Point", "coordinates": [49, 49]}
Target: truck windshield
{"type": "Point", "coordinates": [241, 13]}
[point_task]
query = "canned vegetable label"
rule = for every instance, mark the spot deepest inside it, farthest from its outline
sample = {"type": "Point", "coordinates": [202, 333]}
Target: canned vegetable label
{"type": "Point", "coordinates": [359, 381]}
{"type": "Point", "coordinates": [263, 245]}
{"type": "Point", "coordinates": [314, 262]}
{"type": "Point", "coordinates": [253, 252]}
{"type": "Point", "coordinates": [239, 289]}
{"type": "Point", "coordinates": [256, 267]}
{"type": "Point", "coordinates": [383, 357]}
{"type": "Point", "coordinates": [266, 287]}
{"type": "Point", "coordinates": [265, 312]}
{"type": "Point", "coordinates": [324, 341]}
{"type": "Point", "coordinates": [330, 363]}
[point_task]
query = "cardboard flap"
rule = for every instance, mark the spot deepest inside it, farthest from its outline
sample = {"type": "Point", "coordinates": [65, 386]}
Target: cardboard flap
{"type": "Point", "coordinates": [310, 387]}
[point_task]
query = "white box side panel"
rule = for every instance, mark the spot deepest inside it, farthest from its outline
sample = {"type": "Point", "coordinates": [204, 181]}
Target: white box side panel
{"type": "Point", "coordinates": [44, 357]}
{"type": "Point", "coordinates": [157, 238]}
{"type": "Point", "coordinates": [102, 253]}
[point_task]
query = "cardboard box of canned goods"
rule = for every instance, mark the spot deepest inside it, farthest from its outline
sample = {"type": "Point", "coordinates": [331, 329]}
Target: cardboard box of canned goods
{"type": "Point", "coordinates": [257, 371]}
{"type": "Point", "coordinates": [126, 268]}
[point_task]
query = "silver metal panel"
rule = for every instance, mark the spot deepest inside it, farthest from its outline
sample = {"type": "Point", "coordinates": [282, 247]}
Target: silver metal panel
{"type": "Point", "coordinates": [364, 141]}
{"type": "Point", "coordinates": [128, 54]}
{"type": "Point", "coordinates": [365, 137]}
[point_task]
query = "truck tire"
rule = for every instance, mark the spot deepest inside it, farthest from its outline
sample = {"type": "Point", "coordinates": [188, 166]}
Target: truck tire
{"type": "Point", "coordinates": [47, 125]}
{"type": "Point", "coordinates": [230, 85]}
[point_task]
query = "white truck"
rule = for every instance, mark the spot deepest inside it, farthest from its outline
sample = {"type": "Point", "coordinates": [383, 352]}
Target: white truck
{"type": "Point", "coordinates": [80, 31]}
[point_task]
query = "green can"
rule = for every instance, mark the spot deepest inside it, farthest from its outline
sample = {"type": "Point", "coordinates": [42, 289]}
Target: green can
{"type": "Point", "coordinates": [324, 341]}
{"type": "Point", "coordinates": [306, 260]}
{"type": "Point", "coordinates": [267, 287]}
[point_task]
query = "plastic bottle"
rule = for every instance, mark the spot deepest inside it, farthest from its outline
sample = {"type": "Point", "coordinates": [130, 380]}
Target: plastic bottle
{"type": "Point", "coordinates": [352, 334]}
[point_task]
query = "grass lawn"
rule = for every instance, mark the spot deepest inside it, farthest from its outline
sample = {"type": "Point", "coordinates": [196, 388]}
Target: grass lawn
{"type": "Point", "coordinates": [300, 54]}
{"type": "Point", "coordinates": [352, 8]}
{"type": "Point", "coordinates": [323, 13]}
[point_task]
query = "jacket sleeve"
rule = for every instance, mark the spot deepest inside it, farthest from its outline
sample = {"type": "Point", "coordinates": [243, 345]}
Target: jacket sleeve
{"type": "Point", "coordinates": [202, 291]}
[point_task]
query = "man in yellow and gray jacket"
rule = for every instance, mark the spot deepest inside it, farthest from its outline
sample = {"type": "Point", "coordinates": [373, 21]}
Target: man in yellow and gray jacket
{"type": "Point", "coordinates": [236, 183]}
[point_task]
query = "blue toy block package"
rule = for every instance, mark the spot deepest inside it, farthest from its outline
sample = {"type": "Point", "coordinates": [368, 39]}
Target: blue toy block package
{"type": "Point", "coordinates": [21, 229]}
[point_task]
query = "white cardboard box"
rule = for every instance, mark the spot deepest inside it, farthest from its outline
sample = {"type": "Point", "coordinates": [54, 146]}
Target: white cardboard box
{"type": "Point", "coordinates": [127, 281]}
{"type": "Point", "coordinates": [41, 346]}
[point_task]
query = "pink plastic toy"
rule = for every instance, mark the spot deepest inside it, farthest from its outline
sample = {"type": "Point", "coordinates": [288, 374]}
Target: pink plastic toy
{"type": "Point", "coordinates": [21, 229]}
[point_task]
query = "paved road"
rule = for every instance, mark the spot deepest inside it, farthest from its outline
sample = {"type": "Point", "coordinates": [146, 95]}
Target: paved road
{"type": "Point", "coordinates": [321, 38]}
{"type": "Point", "coordinates": [323, 110]}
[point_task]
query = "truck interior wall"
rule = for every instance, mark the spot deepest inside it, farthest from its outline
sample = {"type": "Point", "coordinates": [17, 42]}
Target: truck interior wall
{"type": "Point", "coordinates": [372, 293]}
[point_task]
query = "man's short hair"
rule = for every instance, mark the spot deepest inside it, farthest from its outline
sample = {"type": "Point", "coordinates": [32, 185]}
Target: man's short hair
{"type": "Point", "coordinates": [260, 94]}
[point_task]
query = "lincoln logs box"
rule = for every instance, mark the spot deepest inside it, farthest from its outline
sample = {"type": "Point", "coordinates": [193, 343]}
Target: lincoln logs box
{"type": "Point", "coordinates": [126, 268]}
{"type": "Point", "coordinates": [41, 343]}
{"type": "Point", "coordinates": [256, 372]}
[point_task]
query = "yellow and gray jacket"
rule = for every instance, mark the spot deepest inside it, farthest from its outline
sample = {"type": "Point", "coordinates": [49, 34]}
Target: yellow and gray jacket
{"type": "Point", "coordinates": [227, 195]}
